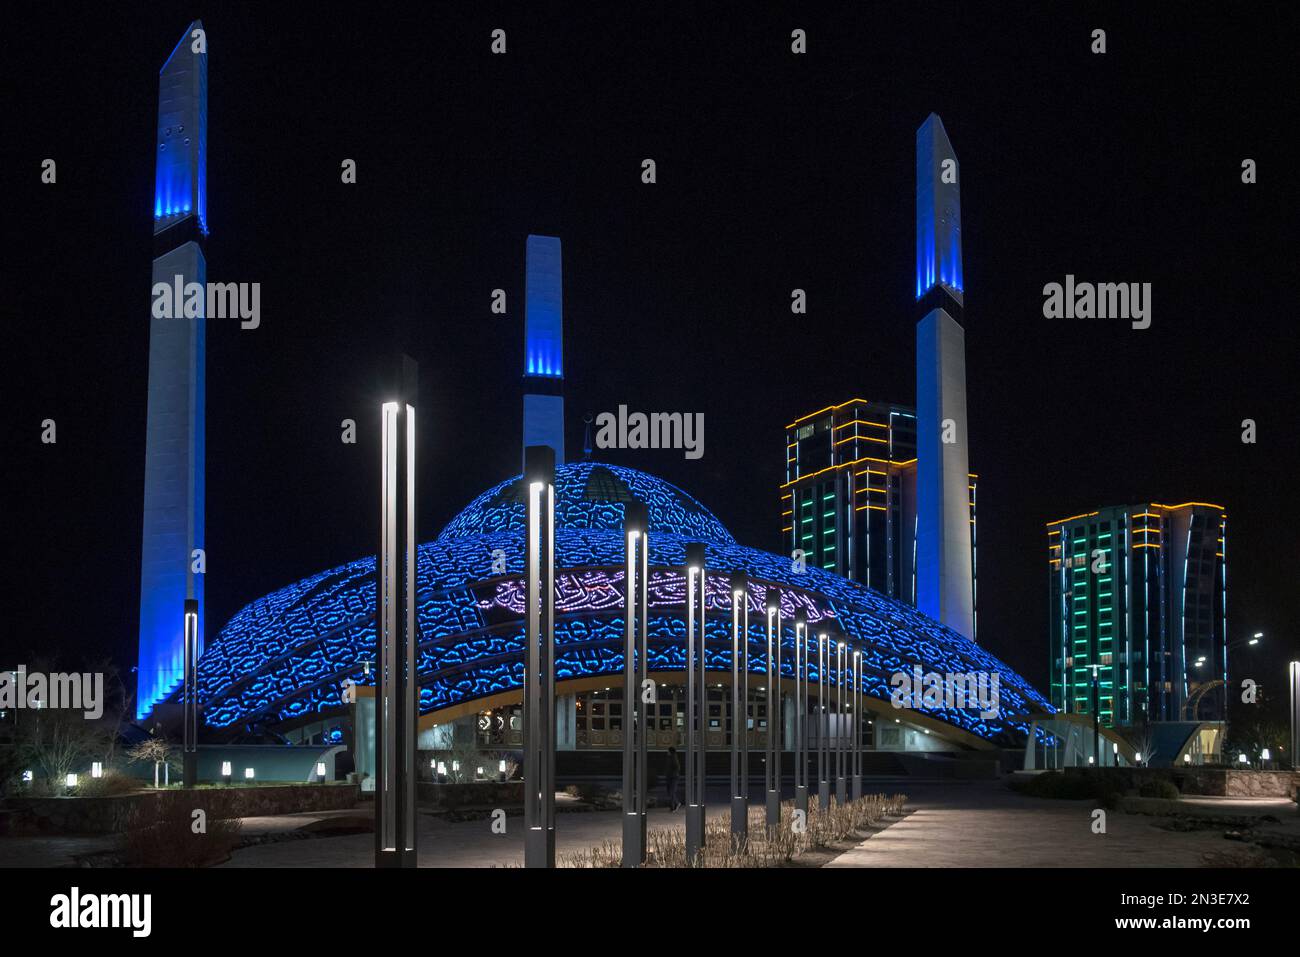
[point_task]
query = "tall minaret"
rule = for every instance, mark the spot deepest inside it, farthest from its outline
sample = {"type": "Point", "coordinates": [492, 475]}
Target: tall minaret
{"type": "Point", "coordinates": [943, 536]}
{"type": "Point", "coordinates": [174, 455]}
{"type": "Point", "coordinates": [544, 346]}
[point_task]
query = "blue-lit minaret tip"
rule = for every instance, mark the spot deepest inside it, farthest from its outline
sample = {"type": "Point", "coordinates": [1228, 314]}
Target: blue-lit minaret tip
{"type": "Point", "coordinates": [174, 458]}
{"type": "Point", "coordinates": [938, 211]}
{"type": "Point", "coordinates": [544, 345]}
{"type": "Point", "coordinates": [180, 180]}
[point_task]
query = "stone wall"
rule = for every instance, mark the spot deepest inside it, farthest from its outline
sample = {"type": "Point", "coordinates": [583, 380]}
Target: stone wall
{"type": "Point", "coordinates": [1214, 782]}
{"type": "Point", "coordinates": [107, 815]}
{"type": "Point", "coordinates": [470, 794]}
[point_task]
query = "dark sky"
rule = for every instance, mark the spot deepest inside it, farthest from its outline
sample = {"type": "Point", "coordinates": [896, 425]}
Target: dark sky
{"type": "Point", "coordinates": [775, 171]}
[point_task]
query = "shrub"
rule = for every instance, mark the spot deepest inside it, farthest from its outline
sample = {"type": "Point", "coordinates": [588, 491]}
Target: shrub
{"type": "Point", "coordinates": [113, 783]}
{"type": "Point", "coordinates": [160, 833]}
{"type": "Point", "coordinates": [1160, 788]}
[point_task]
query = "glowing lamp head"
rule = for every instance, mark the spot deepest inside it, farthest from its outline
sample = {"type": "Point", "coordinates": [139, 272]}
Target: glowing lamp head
{"type": "Point", "coordinates": [71, 779]}
{"type": "Point", "coordinates": [320, 769]}
{"type": "Point", "coordinates": [225, 769]}
{"type": "Point", "coordinates": [695, 556]}
{"type": "Point", "coordinates": [539, 466]}
{"type": "Point", "coordinates": [97, 769]}
{"type": "Point", "coordinates": [1264, 754]}
{"type": "Point", "coordinates": [248, 774]}
{"type": "Point", "coordinates": [635, 518]}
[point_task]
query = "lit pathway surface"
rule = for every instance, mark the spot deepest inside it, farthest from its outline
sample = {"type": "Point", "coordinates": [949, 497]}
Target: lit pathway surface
{"type": "Point", "coordinates": [988, 825]}
{"type": "Point", "coordinates": [460, 844]}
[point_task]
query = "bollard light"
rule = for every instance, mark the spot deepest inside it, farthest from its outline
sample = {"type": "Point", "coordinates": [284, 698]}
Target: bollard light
{"type": "Point", "coordinates": [27, 777]}
{"type": "Point", "coordinates": [1264, 754]}
{"type": "Point", "coordinates": [320, 771]}
{"type": "Point", "coordinates": [1242, 758]}
{"type": "Point", "coordinates": [1187, 758]}
{"type": "Point", "coordinates": [97, 769]}
{"type": "Point", "coordinates": [71, 780]}
{"type": "Point", "coordinates": [1137, 757]}
{"type": "Point", "coordinates": [248, 774]}
{"type": "Point", "coordinates": [225, 772]}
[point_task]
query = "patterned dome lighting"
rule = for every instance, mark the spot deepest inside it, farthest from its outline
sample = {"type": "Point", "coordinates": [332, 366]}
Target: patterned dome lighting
{"type": "Point", "coordinates": [590, 496]}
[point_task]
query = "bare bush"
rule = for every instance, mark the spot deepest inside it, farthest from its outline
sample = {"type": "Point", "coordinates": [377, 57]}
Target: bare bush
{"type": "Point", "coordinates": [763, 848]}
{"type": "Point", "coordinates": [164, 833]}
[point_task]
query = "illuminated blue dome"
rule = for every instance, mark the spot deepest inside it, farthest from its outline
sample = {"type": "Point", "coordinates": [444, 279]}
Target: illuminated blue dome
{"type": "Point", "coordinates": [591, 496]}
{"type": "Point", "coordinates": [284, 657]}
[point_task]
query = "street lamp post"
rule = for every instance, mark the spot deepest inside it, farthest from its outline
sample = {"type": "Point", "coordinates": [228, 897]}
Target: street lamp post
{"type": "Point", "coordinates": [801, 713]}
{"type": "Point", "coordinates": [739, 709]}
{"type": "Point", "coordinates": [823, 754]}
{"type": "Point", "coordinates": [190, 768]}
{"type": "Point", "coordinates": [636, 707]}
{"type": "Point", "coordinates": [539, 659]}
{"type": "Point", "coordinates": [856, 699]}
{"type": "Point", "coordinates": [397, 630]}
{"type": "Point", "coordinates": [1096, 717]}
{"type": "Point", "coordinates": [696, 713]}
{"type": "Point", "coordinates": [1294, 754]}
{"type": "Point", "coordinates": [841, 782]}
{"type": "Point", "coordinates": [772, 773]}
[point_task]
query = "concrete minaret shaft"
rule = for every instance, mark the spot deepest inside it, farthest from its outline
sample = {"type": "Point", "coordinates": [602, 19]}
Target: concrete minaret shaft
{"type": "Point", "coordinates": [943, 535]}
{"type": "Point", "coordinates": [544, 346]}
{"type": "Point", "coordinates": [174, 453]}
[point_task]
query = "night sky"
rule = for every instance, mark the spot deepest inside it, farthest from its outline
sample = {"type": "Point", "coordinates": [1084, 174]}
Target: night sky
{"type": "Point", "coordinates": [775, 171]}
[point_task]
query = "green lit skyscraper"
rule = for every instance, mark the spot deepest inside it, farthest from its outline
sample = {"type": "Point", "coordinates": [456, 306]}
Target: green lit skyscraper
{"type": "Point", "coordinates": [1139, 592]}
{"type": "Point", "coordinates": [848, 502]}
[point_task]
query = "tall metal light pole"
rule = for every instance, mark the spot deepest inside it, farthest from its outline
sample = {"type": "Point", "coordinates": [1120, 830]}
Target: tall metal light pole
{"type": "Point", "coordinates": [841, 783]}
{"type": "Point", "coordinates": [1295, 716]}
{"type": "Point", "coordinates": [636, 710]}
{"type": "Point", "coordinates": [801, 712]}
{"type": "Point", "coordinates": [190, 770]}
{"type": "Point", "coordinates": [772, 771]}
{"type": "Point", "coordinates": [397, 631]}
{"type": "Point", "coordinates": [1096, 717]}
{"type": "Point", "coordinates": [539, 659]}
{"type": "Point", "coordinates": [696, 712]}
{"type": "Point", "coordinates": [739, 709]}
{"type": "Point", "coordinates": [823, 755]}
{"type": "Point", "coordinates": [856, 698]}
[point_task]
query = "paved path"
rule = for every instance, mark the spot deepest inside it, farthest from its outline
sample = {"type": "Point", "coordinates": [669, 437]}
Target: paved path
{"type": "Point", "coordinates": [988, 825]}
{"type": "Point", "coordinates": [459, 844]}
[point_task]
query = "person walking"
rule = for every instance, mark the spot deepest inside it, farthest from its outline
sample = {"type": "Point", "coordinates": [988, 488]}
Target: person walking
{"type": "Point", "coordinates": [671, 770]}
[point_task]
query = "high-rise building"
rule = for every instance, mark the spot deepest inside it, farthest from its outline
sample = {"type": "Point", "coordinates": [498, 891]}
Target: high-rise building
{"type": "Point", "coordinates": [944, 554]}
{"type": "Point", "coordinates": [174, 452]}
{"type": "Point", "coordinates": [1139, 594]}
{"type": "Point", "coordinates": [544, 345]}
{"type": "Point", "coordinates": [848, 503]}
